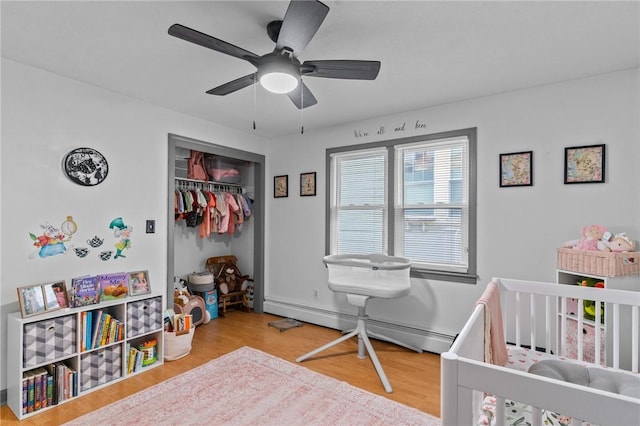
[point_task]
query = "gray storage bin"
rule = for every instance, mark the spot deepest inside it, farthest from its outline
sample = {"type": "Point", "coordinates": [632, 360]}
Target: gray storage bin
{"type": "Point", "coordinates": [48, 340]}
{"type": "Point", "coordinates": [144, 316]}
{"type": "Point", "coordinates": [100, 367]}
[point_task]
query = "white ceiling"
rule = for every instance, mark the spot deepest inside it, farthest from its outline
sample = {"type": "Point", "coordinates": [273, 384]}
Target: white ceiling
{"type": "Point", "coordinates": [432, 52]}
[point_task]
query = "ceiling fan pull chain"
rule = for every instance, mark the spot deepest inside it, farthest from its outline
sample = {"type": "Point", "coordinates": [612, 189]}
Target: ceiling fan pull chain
{"type": "Point", "coordinates": [255, 83]}
{"type": "Point", "coordinates": [301, 109]}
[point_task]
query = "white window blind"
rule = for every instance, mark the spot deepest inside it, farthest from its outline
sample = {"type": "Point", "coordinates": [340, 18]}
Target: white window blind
{"type": "Point", "coordinates": [413, 197]}
{"type": "Point", "coordinates": [431, 206]}
{"type": "Point", "coordinates": [359, 202]}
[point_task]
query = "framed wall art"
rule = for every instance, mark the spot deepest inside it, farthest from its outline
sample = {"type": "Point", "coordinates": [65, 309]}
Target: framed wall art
{"type": "Point", "coordinates": [31, 300]}
{"type": "Point", "coordinates": [516, 169]}
{"type": "Point", "coordinates": [281, 186]}
{"type": "Point", "coordinates": [308, 184]}
{"type": "Point", "coordinates": [584, 164]}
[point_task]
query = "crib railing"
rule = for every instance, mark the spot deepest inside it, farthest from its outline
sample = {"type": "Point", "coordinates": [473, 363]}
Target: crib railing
{"type": "Point", "coordinates": [535, 315]}
{"type": "Point", "coordinates": [528, 306]}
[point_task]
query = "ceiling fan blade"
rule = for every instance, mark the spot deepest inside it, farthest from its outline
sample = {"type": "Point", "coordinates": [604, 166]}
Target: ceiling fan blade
{"type": "Point", "coordinates": [353, 70]}
{"type": "Point", "coordinates": [302, 94]}
{"type": "Point", "coordinates": [209, 42]}
{"type": "Point", "coordinates": [232, 86]}
{"type": "Point", "coordinates": [300, 24]}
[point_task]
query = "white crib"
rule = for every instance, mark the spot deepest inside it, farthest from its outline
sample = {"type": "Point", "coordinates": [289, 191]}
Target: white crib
{"type": "Point", "coordinates": [534, 314]}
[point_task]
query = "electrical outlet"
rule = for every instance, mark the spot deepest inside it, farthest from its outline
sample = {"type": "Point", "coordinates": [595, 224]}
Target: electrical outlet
{"type": "Point", "coordinates": [151, 226]}
{"type": "Point", "coordinates": [316, 293]}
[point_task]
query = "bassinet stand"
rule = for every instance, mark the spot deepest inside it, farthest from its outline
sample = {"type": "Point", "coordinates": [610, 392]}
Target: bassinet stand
{"type": "Point", "coordinates": [362, 277]}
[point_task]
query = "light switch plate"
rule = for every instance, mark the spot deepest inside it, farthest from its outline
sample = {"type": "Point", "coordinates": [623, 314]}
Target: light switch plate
{"type": "Point", "coordinates": [151, 226]}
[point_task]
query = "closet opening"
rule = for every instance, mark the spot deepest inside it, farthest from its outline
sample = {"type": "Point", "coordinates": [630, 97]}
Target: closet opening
{"type": "Point", "coordinates": [228, 172]}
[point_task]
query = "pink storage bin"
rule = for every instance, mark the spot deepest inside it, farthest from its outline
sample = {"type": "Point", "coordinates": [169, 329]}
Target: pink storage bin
{"type": "Point", "coordinates": [224, 170]}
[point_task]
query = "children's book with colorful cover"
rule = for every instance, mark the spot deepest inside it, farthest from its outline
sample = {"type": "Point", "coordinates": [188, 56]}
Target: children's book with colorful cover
{"type": "Point", "coordinates": [84, 291]}
{"type": "Point", "coordinates": [114, 286]}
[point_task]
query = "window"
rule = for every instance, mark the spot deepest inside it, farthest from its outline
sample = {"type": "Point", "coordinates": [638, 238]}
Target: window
{"type": "Point", "coordinates": [412, 197]}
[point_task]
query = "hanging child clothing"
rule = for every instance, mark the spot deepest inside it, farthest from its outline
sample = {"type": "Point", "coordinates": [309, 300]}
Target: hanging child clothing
{"type": "Point", "coordinates": [219, 212]}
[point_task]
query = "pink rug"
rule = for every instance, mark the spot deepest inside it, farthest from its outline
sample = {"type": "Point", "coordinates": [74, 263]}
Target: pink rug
{"type": "Point", "coordinates": [250, 387]}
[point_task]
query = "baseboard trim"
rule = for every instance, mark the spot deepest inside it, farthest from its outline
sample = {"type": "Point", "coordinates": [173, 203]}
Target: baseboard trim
{"type": "Point", "coordinates": [429, 341]}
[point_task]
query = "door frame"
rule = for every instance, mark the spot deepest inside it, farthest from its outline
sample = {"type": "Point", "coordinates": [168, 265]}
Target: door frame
{"type": "Point", "coordinates": [258, 160]}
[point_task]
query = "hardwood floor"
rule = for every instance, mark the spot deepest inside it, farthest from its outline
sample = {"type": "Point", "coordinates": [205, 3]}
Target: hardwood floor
{"type": "Point", "coordinates": [415, 378]}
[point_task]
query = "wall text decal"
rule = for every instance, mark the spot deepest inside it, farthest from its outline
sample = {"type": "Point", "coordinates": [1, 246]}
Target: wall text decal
{"type": "Point", "coordinates": [418, 125]}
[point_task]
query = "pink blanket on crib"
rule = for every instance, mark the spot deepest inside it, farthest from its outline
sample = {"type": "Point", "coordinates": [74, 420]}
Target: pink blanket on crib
{"type": "Point", "coordinates": [495, 347]}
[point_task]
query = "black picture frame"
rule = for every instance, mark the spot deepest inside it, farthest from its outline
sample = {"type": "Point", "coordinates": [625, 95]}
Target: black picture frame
{"type": "Point", "coordinates": [516, 169]}
{"type": "Point", "coordinates": [584, 164]}
{"type": "Point", "coordinates": [308, 184]}
{"type": "Point", "coordinates": [281, 186]}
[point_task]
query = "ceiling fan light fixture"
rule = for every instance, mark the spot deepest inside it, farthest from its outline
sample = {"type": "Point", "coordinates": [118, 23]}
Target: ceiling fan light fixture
{"type": "Point", "coordinates": [279, 77]}
{"type": "Point", "coordinates": [279, 82]}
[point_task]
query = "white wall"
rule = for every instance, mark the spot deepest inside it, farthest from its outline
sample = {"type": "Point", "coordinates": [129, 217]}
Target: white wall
{"type": "Point", "coordinates": [43, 117]}
{"type": "Point", "coordinates": [519, 228]}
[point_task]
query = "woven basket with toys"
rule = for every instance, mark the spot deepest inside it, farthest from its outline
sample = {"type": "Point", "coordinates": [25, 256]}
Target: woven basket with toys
{"type": "Point", "coordinates": [600, 253]}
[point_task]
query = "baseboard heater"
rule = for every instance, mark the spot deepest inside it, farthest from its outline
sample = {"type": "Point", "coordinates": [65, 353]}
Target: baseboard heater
{"type": "Point", "coordinates": [427, 340]}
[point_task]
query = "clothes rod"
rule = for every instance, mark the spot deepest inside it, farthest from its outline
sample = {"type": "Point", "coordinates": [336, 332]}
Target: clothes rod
{"type": "Point", "coordinates": [208, 182]}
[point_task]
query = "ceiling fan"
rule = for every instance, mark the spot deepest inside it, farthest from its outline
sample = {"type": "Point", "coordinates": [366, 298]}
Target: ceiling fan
{"type": "Point", "coordinates": [280, 71]}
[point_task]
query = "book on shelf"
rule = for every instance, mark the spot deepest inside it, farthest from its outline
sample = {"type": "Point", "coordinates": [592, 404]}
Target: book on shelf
{"type": "Point", "coordinates": [25, 393]}
{"type": "Point", "coordinates": [113, 286]}
{"type": "Point", "coordinates": [96, 328]}
{"type": "Point", "coordinates": [47, 386]}
{"type": "Point", "coordinates": [51, 371]}
{"type": "Point", "coordinates": [134, 359]}
{"type": "Point", "coordinates": [105, 329]}
{"type": "Point", "coordinates": [104, 318]}
{"type": "Point", "coordinates": [182, 323]}
{"type": "Point", "coordinates": [37, 385]}
{"type": "Point", "coordinates": [100, 329]}
{"type": "Point", "coordinates": [49, 390]}
{"type": "Point", "coordinates": [28, 391]}
{"type": "Point", "coordinates": [84, 291]}
{"type": "Point", "coordinates": [85, 319]}
{"type": "Point", "coordinates": [83, 326]}
{"type": "Point", "coordinates": [88, 329]}
{"type": "Point", "coordinates": [115, 331]}
{"type": "Point", "coordinates": [169, 315]}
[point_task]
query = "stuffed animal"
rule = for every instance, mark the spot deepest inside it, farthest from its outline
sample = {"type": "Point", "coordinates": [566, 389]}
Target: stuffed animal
{"type": "Point", "coordinates": [620, 242]}
{"type": "Point", "coordinates": [180, 293]}
{"type": "Point", "coordinates": [230, 280]}
{"type": "Point", "coordinates": [181, 297]}
{"type": "Point", "coordinates": [227, 281]}
{"type": "Point", "coordinates": [593, 238]}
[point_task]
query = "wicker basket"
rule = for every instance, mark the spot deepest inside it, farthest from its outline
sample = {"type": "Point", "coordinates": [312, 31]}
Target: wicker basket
{"type": "Point", "coordinates": [176, 347]}
{"type": "Point", "coordinates": [604, 264]}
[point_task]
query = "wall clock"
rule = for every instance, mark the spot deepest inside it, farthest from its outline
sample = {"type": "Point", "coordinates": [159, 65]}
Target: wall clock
{"type": "Point", "coordinates": [85, 166]}
{"type": "Point", "coordinates": [69, 227]}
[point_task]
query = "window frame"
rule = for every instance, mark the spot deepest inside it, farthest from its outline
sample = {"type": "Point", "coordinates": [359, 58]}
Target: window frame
{"type": "Point", "coordinates": [470, 276]}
